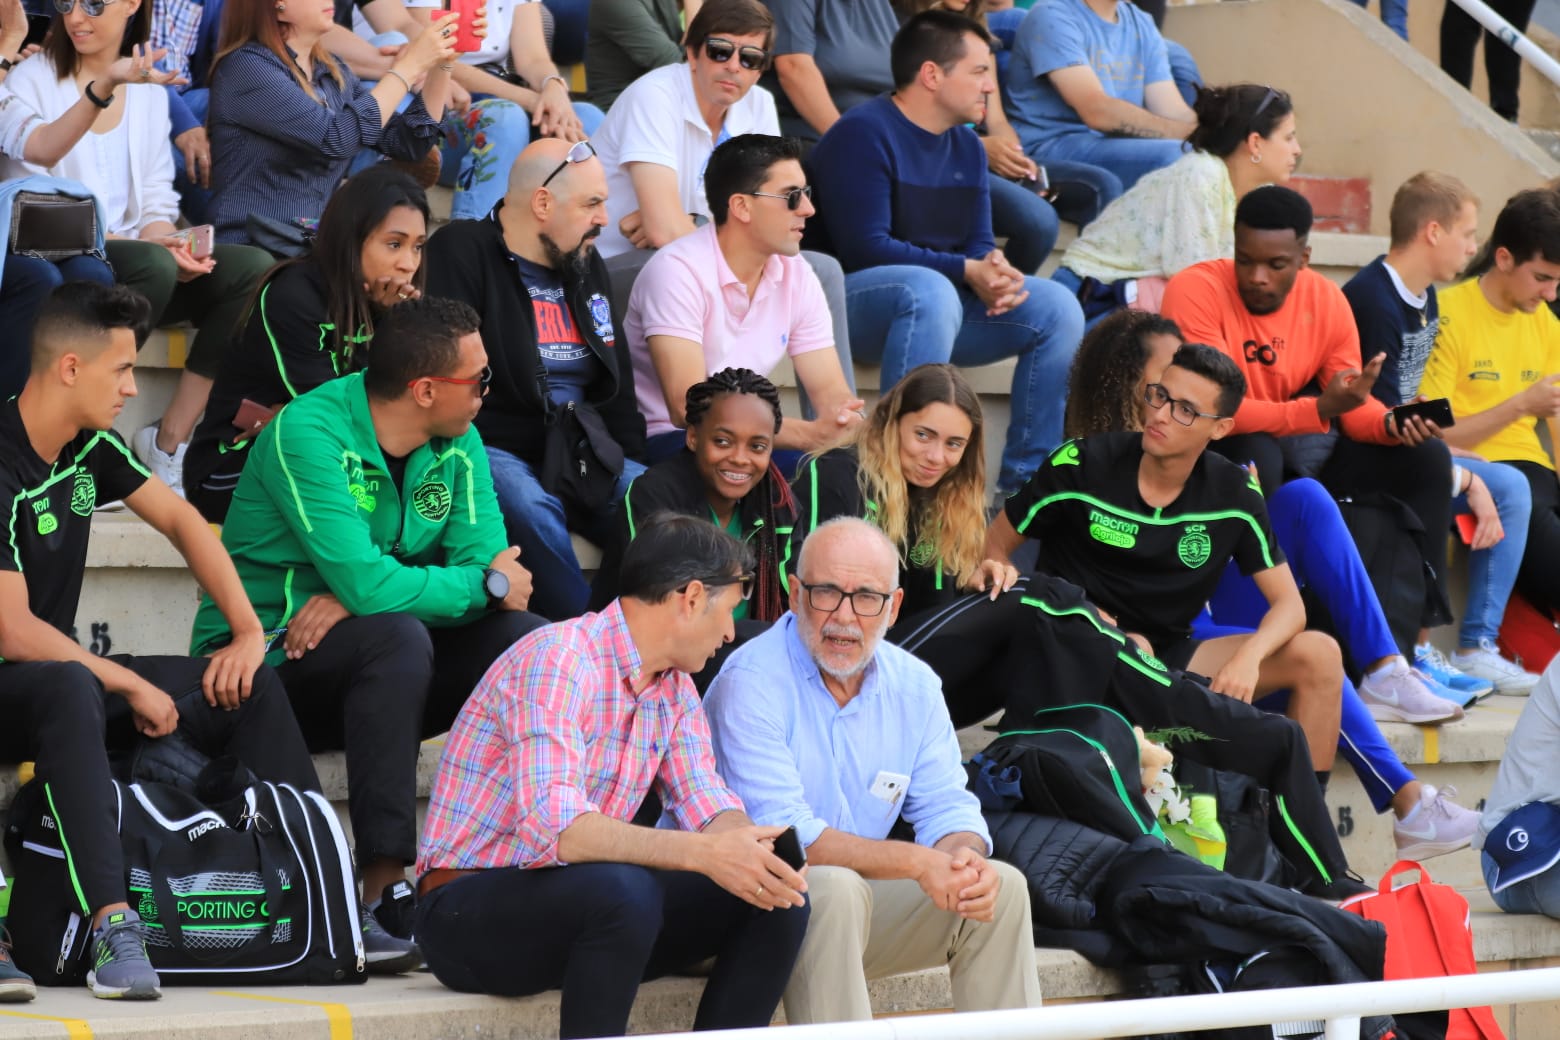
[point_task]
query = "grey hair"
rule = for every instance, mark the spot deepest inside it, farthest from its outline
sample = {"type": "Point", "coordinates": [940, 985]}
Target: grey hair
{"type": "Point", "coordinates": [851, 526]}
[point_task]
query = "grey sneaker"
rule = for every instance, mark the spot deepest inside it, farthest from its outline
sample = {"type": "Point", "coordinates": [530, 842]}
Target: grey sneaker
{"type": "Point", "coordinates": [1399, 696]}
{"type": "Point", "coordinates": [120, 969]}
{"type": "Point", "coordinates": [1485, 662]}
{"type": "Point", "coordinates": [16, 986]}
{"type": "Point", "coordinates": [386, 954]}
{"type": "Point", "coordinates": [1440, 826]}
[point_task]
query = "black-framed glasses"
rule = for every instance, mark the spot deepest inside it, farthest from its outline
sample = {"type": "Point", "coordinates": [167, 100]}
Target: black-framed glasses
{"type": "Point", "coordinates": [483, 382]}
{"type": "Point", "coordinates": [580, 151]}
{"type": "Point", "coordinates": [720, 51]}
{"type": "Point", "coordinates": [743, 581]}
{"type": "Point", "coordinates": [1183, 412]}
{"type": "Point", "coordinates": [827, 598]}
{"type": "Point", "coordinates": [91, 8]}
{"type": "Point", "coordinates": [793, 198]}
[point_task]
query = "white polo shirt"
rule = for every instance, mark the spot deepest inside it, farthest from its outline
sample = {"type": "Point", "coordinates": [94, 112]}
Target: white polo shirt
{"type": "Point", "coordinates": [657, 120]}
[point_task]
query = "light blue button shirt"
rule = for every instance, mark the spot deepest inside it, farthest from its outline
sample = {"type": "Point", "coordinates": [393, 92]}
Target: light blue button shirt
{"type": "Point", "coordinates": [796, 758]}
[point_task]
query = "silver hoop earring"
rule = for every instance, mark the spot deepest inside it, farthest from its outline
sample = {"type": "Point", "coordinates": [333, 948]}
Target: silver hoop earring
{"type": "Point", "coordinates": [1256, 160]}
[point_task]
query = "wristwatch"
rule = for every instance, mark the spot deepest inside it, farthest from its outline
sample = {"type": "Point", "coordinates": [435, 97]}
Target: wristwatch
{"type": "Point", "coordinates": [496, 585]}
{"type": "Point", "coordinates": [6, 64]}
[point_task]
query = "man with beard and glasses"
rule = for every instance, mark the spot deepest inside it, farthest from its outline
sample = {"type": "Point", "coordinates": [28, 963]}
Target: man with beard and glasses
{"type": "Point", "coordinates": [530, 269]}
{"type": "Point", "coordinates": [822, 727]}
{"type": "Point", "coordinates": [1308, 409]}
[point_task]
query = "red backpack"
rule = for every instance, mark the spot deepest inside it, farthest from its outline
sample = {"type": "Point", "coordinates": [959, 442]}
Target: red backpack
{"type": "Point", "coordinates": [1427, 937]}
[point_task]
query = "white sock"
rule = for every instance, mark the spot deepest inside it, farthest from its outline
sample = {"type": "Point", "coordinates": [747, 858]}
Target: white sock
{"type": "Point", "coordinates": [1412, 812]}
{"type": "Point", "coordinates": [1394, 663]}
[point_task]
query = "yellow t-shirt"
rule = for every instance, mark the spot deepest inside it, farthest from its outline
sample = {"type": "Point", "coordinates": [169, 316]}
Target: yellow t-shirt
{"type": "Point", "coordinates": [1483, 357]}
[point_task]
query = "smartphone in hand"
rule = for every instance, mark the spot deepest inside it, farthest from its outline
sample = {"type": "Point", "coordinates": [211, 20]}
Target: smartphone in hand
{"type": "Point", "coordinates": [1438, 411]}
{"type": "Point", "coordinates": [201, 240]}
{"type": "Point", "coordinates": [789, 848]}
{"type": "Point", "coordinates": [466, 40]}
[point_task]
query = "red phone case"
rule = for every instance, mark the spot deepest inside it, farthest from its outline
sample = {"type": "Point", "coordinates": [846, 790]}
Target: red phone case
{"type": "Point", "coordinates": [466, 40]}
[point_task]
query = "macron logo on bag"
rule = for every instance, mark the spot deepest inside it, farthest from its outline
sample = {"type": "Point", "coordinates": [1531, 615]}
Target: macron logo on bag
{"type": "Point", "coordinates": [209, 825]}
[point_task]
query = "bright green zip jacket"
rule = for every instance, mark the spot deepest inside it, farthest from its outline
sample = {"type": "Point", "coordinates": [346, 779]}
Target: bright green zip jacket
{"type": "Point", "coordinates": [316, 511]}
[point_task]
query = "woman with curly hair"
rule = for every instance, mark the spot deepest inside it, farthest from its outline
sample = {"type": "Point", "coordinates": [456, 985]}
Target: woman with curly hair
{"type": "Point", "coordinates": [917, 470]}
{"type": "Point", "coordinates": [1116, 361]}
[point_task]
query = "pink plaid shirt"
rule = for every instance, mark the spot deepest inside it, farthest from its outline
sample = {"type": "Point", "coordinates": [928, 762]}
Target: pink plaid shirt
{"type": "Point", "coordinates": [553, 731]}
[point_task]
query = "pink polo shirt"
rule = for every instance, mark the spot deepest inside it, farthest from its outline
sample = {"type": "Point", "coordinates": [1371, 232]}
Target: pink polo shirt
{"type": "Point", "coordinates": [687, 290]}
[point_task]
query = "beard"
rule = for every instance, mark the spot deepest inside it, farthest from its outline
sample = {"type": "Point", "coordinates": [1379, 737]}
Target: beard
{"type": "Point", "coordinates": [573, 261]}
{"type": "Point", "coordinates": [814, 642]}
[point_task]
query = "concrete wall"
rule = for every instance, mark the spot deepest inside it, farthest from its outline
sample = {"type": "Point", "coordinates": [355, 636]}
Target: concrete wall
{"type": "Point", "coordinates": [1368, 105]}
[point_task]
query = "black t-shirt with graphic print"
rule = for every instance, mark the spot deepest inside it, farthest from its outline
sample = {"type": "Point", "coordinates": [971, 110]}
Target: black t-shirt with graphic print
{"type": "Point", "coordinates": [48, 516]}
{"type": "Point", "coordinates": [1153, 569]}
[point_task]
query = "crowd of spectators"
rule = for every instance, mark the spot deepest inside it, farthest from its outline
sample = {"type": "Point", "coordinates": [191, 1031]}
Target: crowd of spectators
{"type": "Point", "coordinates": [399, 430]}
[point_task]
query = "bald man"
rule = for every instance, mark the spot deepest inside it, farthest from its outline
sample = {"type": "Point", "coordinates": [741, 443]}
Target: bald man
{"type": "Point", "coordinates": [822, 727]}
{"type": "Point", "coordinates": [531, 271]}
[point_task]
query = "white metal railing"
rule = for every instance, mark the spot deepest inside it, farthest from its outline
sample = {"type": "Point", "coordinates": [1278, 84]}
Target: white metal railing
{"type": "Point", "coordinates": [1508, 34]}
{"type": "Point", "coordinates": [1340, 1007]}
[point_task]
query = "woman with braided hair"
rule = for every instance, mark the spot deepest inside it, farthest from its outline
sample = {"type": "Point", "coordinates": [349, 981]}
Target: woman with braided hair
{"type": "Point", "coordinates": [727, 475]}
{"type": "Point", "coordinates": [917, 470]}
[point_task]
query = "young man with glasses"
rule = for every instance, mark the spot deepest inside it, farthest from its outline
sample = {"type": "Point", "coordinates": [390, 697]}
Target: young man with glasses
{"type": "Point", "coordinates": [531, 271]}
{"type": "Point", "coordinates": [531, 874]}
{"type": "Point", "coordinates": [821, 726]}
{"type": "Point", "coordinates": [368, 537]}
{"type": "Point", "coordinates": [735, 294]}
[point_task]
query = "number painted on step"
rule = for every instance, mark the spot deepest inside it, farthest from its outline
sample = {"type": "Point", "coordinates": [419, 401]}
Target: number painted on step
{"type": "Point", "coordinates": [1345, 821]}
{"type": "Point", "coordinates": [101, 643]}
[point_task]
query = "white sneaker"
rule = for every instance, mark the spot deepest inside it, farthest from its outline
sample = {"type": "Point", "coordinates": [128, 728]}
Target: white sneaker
{"type": "Point", "coordinates": [167, 468]}
{"type": "Point", "coordinates": [1485, 662]}
{"type": "Point", "coordinates": [1398, 695]}
{"type": "Point", "coordinates": [1440, 826]}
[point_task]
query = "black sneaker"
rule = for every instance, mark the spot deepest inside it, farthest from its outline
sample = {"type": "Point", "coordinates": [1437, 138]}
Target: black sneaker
{"type": "Point", "coordinates": [396, 908]}
{"type": "Point", "coordinates": [385, 953]}
{"type": "Point", "coordinates": [16, 986]}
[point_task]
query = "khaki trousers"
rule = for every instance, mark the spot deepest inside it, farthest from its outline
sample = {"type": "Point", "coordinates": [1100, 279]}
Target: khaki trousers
{"type": "Point", "coordinates": [862, 930]}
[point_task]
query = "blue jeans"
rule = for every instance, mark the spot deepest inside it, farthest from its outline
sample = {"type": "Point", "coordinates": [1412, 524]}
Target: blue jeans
{"type": "Point", "coordinates": [193, 199]}
{"type": "Point", "coordinates": [1381, 773]}
{"type": "Point", "coordinates": [1127, 157]}
{"type": "Point", "coordinates": [1394, 15]}
{"type": "Point", "coordinates": [903, 316]}
{"type": "Point", "coordinates": [483, 144]}
{"type": "Point", "coordinates": [1492, 572]}
{"type": "Point", "coordinates": [535, 522]}
{"type": "Point", "coordinates": [1081, 191]}
{"type": "Point", "coordinates": [1537, 895]}
{"type": "Point", "coordinates": [1027, 221]}
{"type": "Point", "coordinates": [24, 284]}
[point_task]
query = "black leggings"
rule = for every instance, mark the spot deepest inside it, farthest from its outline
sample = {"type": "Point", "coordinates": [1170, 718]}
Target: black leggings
{"type": "Point", "coordinates": [965, 642]}
{"type": "Point", "coordinates": [607, 927]}
{"type": "Point", "coordinates": [1460, 35]}
{"type": "Point", "coordinates": [59, 715]}
{"type": "Point", "coordinates": [1538, 579]}
{"type": "Point", "coordinates": [375, 687]}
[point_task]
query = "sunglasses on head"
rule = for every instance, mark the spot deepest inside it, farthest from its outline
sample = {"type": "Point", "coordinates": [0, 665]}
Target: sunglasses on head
{"type": "Point", "coordinates": [92, 8]}
{"type": "Point", "coordinates": [793, 198]}
{"type": "Point", "coordinates": [581, 151]}
{"type": "Point", "coordinates": [751, 58]}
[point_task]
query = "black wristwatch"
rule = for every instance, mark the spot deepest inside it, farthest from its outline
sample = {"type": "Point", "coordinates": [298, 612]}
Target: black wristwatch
{"type": "Point", "coordinates": [496, 585]}
{"type": "Point", "coordinates": [6, 64]}
{"type": "Point", "coordinates": [98, 101]}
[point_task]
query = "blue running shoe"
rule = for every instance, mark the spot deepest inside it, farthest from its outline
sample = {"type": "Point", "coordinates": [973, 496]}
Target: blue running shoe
{"type": "Point", "coordinates": [1431, 662]}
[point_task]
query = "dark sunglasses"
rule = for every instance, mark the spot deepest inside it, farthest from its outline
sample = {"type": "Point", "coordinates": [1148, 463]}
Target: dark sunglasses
{"type": "Point", "coordinates": [793, 198]}
{"type": "Point", "coordinates": [92, 8]}
{"type": "Point", "coordinates": [581, 151]}
{"type": "Point", "coordinates": [483, 382]}
{"type": "Point", "coordinates": [751, 58]}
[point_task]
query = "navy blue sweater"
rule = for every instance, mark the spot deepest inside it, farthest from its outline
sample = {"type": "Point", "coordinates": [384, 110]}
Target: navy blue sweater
{"type": "Point", "coordinates": [892, 193]}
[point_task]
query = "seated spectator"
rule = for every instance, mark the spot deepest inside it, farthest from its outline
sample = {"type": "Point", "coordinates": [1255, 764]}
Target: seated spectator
{"type": "Point", "coordinates": [552, 347]}
{"type": "Point", "coordinates": [726, 475]}
{"type": "Point", "coordinates": [1115, 363]}
{"type": "Point", "coordinates": [830, 58]}
{"type": "Point", "coordinates": [1521, 820]}
{"type": "Point", "coordinates": [1185, 213]}
{"type": "Point", "coordinates": [629, 38]}
{"type": "Point", "coordinates": [821, 728]}
{"type": "Point", "coordinates": [1434, 225]}
{"type": "Point", "coordinates": [762, 304]}
{"type": "Point", "coordinates": [1497, 359]}
{"type": "Point", "coordinates": [520, 95]}
{"type": "Point", "coordinates": [528, 830]}
{"type": "Point", "coordinates": [111, 143]}
{"type": "Point", "coordinates": [1090, 82]}
{"type": "Point", "coordinates": [904, 204]}
{"type": "Point", "coordinates": [313, 320]}
{"type": "Point", "coordinates": [1289, 329]}
{"type": "Point", "coordinates": [1145, 522]}
{"type": "Point", "coordinates": [367, 537]}
{"type": "Point", "coordinates": [657, 145]}
{"type": "Point", "coordinates": [917, 469]}
{"type": "Point", "coordinates": [287, 119]}
{"type": "Point", "coordinates": [61, 702]}
{"type": "Point", "coordinates": [178, 27]}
